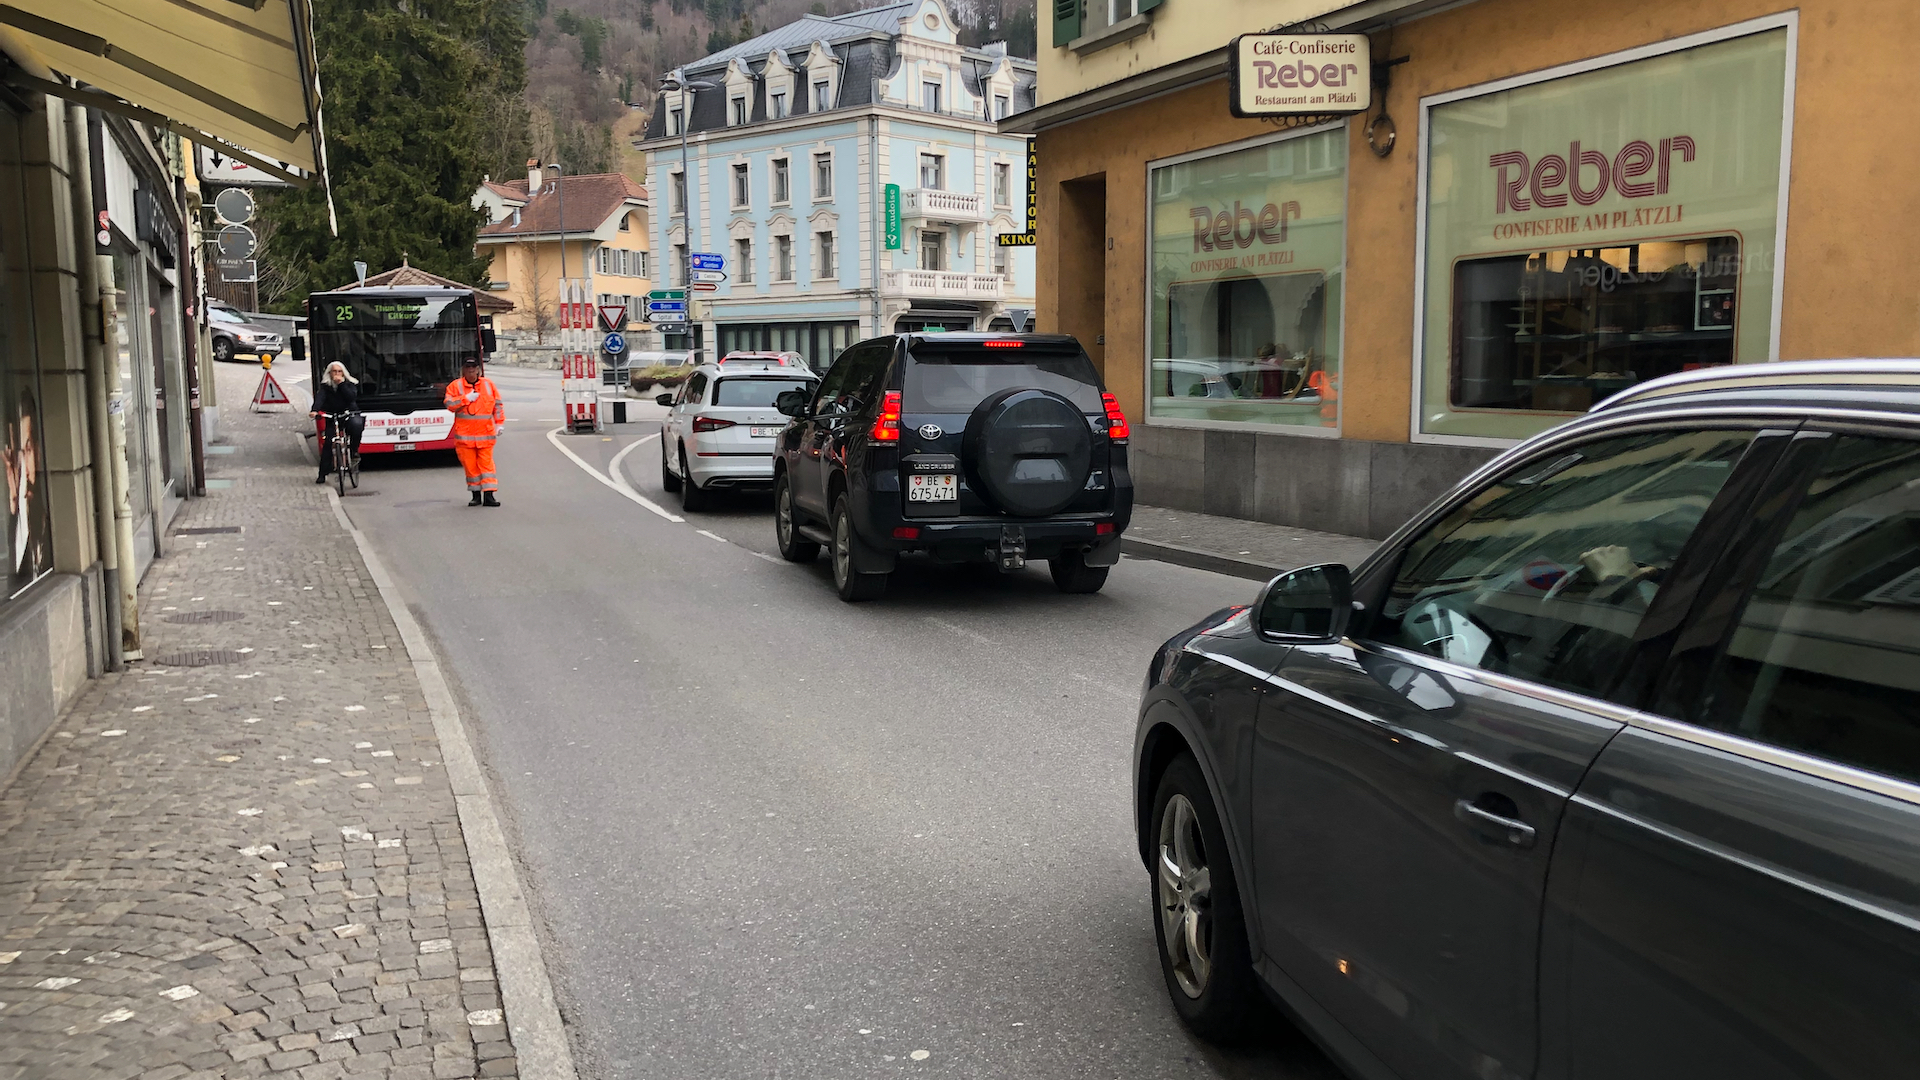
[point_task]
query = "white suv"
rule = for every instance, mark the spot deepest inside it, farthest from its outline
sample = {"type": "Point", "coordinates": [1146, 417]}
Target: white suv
{"type": "Point", "coordinates": [723, 427]}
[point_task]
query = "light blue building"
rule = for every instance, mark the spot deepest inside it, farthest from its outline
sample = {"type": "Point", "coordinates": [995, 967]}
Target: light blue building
{"type": "Point", "coordinates": [790, 154]}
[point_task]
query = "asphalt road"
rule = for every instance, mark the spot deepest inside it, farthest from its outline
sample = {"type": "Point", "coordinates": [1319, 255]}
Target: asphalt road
{"type": "Point", "coordinates": [774, 835]}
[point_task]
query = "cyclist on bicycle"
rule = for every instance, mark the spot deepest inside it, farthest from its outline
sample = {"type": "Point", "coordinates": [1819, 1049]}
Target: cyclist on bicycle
{"type": "Point", "coordinates": [337, 395]}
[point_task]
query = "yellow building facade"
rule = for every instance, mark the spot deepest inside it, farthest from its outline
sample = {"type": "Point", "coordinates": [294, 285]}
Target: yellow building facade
{"type": "Point", "coordinates": [603, 241]}
{"type": "Point", "coordinates": [1325, 321]}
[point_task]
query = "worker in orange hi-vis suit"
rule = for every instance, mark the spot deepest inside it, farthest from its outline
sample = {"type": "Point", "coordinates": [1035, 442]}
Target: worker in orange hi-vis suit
{"type": "Point", "coordinates": [477, 418]}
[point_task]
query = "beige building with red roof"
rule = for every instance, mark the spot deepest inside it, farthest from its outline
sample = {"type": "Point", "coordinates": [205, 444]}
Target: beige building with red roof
{"type": "Point", "coordinates": [603, 239]}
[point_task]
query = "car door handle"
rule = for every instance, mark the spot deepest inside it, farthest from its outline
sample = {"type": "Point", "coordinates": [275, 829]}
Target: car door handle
{"type": "Point", "coordinates": [1517, 832]}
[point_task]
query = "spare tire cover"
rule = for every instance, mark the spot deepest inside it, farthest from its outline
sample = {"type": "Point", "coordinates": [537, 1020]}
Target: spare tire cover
{"type": "Point", "coordinates": [1029, 450]}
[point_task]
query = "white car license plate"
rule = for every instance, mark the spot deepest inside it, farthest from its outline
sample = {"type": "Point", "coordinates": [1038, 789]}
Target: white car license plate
{"type": "Point", "coordinates": [406, 446]}
{"type": "Point", "coordinates": [764, 432]}
{"type": "Point", "coordinates": [941, 487]}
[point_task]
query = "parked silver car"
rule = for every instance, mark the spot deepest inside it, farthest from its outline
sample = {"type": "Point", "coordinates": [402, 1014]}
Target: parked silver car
{"type": "Point", "coordinates": [234, 335]}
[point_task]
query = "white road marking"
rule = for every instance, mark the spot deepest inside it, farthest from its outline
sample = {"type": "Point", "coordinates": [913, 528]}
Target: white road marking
{"type": "Point", "coordinates": [553, 437]}
{"type": "Point", "coordinates": [962, 631]}
{"type": "Point", "coordinates": [711, 536]}
{"type": "Point", "coordinates": [613, 467]}
{"type": "Point", "coordinates": [774, 559]}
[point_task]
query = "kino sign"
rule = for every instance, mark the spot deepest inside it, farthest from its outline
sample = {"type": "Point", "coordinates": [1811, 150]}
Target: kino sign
{"type": "Point", "coordinates": [1300, 74]}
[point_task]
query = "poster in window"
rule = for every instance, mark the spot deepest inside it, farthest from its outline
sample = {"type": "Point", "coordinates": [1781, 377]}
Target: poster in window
{"type": "Point", "coordinates": [1594, 231]}
{"type": "Point", "coordinates": [28, 527]}
{"type": "Point", "coordinates": [1248, 251]}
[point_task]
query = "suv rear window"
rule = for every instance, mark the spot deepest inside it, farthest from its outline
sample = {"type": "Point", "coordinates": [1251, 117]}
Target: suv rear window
{"type": "Point", "coordinates": [756, 392]}
{"type": "Point", "coordinates": [955, 379]}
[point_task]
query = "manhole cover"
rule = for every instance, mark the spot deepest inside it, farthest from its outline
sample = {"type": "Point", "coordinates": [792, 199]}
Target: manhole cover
{"type": "Point", "coordinates": [209, 531]}
{"type": "Point", "coordinates": [204, 616]}
{"type": "Point", "coordinates": [199, 658]}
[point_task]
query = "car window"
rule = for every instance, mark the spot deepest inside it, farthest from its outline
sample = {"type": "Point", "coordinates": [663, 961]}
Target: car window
{"type": "Point", "coordinates": [755, 392]}
{"type": "Point", "coordinates": [1545, 574]}
{"type": "Point", "coordinates": [954, 380]}
{"type": "Point", "coordinates": [222, 315]}
{"type": "Point", "coordinates": [869, 370]}
{"type": "Point", "coordinates": [695, 389]}
{"type": "Point", "coordinates": [833, 380]}
{"type": "Point", "coordinates": [1826, 649]}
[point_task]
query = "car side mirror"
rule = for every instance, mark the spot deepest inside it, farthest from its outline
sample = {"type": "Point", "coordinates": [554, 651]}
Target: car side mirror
{"type": "Point", "coordinates": [663, 399]}
{"type": "Point", "coordinates": [791, 402]}
{"type": "Point", "coordinates": [299, 347]}
{"type": "Point", "coordinates": [1311, 604]}
{"type": "Point", "coordinates": [489, 344]}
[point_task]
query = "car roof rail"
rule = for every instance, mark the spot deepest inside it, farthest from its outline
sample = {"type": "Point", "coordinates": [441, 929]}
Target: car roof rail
{"type": "Point", "coordinates": [1902, 372]}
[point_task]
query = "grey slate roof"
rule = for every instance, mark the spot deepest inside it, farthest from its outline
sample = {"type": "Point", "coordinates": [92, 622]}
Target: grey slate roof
{"type": "Point", "coordinates": [864, 42]}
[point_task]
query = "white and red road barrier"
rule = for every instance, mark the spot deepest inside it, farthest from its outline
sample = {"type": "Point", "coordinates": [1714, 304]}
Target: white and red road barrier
{"type": "Point", "coordinates": [579, 373]}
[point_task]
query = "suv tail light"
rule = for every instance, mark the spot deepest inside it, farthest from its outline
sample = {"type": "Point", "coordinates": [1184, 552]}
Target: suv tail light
{"type": "Point", "coordinates": [1117, 429]}
{"type": "Point", "coordinates": [886, 426]}
{"type": "Point", "coordinates": [709, 423]}
{"type": "Point", "coordinates": [1004, 344]}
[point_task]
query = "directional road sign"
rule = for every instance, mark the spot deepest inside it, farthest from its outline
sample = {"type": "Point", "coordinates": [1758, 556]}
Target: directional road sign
{"type": "Point", "coordinates": [671, 327]}
{"type": "Point", "coordinates": [707, 261]}
{"type": "Point", "coordinates": [705, 286]}
{"type": "Point", "coordinates": [614, 344]}
{"type": "Point", "coordinates": [667, 294]}
{"type": "Point", "coordinates": [666, 307]}
{"type": "Point", "coordinates": [708, 276]}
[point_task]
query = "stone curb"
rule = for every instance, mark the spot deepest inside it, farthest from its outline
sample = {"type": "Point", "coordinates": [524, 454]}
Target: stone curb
{"type": "Point", "coordinates": [526, 994]}
{"type": "Point", "coordinates": [1198, 558]}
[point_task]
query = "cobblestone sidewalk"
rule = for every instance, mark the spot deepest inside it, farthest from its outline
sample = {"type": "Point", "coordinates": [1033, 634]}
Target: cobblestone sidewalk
{"type": "Point", "coordinates": [241, 857]}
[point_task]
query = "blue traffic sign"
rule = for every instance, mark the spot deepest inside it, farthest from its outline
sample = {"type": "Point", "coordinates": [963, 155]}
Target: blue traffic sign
{"type": "Point", "coordinates": [666, 307]}
{"type": "Point", "coordinates": [703, 260]}
{"type": "Point", "coordinates": [615, 344]}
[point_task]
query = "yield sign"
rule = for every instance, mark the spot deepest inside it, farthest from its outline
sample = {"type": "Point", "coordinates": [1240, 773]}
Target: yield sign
{"type": "Point", "coordinates": [613, 316]}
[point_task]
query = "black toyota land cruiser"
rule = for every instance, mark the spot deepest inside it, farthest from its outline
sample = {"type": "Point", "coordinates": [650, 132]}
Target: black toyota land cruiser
{"type": "Point", "coordinates": [969, 447]}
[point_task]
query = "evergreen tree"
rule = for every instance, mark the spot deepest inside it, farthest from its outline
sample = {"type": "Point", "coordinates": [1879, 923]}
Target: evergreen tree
{"type": "Point", "coordinates": [406, 145]}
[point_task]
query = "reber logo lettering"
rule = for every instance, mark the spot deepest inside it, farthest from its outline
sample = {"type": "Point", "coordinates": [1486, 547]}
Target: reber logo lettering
{"type": "Point", "coordinates": [1240, 226]}
{"type": "Point", "coordinates": [1517, 177]}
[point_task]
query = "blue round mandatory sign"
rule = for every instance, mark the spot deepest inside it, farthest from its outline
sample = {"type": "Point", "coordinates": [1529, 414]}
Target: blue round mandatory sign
{"type": "Point", "coordinates": [615, 343]}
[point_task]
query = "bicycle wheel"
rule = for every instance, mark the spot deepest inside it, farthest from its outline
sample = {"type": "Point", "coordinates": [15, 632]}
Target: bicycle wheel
{"type": "Point", "coordinates": [339, 468]}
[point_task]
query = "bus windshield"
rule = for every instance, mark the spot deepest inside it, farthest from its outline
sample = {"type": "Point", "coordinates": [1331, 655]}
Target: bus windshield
{"type": "Point", "coordinates": [397, 346]}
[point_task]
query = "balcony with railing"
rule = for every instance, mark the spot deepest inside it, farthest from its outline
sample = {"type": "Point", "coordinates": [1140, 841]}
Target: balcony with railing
{"type": "Point", "coordinates": [942, 285]}
{"type": "Point", "coordinates": [932, 205]}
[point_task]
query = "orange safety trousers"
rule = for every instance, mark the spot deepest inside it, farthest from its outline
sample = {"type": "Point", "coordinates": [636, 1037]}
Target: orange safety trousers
{"type": "Point", "coordinates": [477, 459]}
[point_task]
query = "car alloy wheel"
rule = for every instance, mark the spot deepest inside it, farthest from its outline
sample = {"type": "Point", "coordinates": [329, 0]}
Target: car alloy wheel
{"type": "Point", "coordinates": [222, 349]}
{"type": "Point", "coordinates": [842, 551]}
{"type": "Point", "coordinates": [793, 546]}
{"type": "Point", "coordinates": [1185, 886]}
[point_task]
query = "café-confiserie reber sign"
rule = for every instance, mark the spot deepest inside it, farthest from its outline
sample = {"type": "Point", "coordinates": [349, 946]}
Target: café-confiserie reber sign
{"type": "Point", "coordinates": [1300, 74]}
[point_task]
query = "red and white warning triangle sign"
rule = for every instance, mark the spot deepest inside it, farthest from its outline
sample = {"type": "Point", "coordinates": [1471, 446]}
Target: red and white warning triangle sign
{"type": "Point", "coordinates": [613, 316]}
{"type": "Point", "coordinates": [270, 392]}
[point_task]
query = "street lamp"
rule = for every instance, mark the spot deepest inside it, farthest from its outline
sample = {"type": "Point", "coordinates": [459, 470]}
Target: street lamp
{"type": "Point", "coordinates": [682, 86]}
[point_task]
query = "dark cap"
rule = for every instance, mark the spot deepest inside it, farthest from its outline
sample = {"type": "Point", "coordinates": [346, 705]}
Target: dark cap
{"type": "Point", "coordinates": [473, 361]}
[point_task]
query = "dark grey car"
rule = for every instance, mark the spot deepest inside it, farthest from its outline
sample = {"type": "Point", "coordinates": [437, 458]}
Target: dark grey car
{"type": "Point", "coordinates": [1607, 765]}
{"type": "Point", "coordinates": [234, 335]}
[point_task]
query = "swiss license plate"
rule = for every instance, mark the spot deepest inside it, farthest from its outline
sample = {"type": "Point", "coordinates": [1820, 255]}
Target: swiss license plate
{"type": "Point", "coordinates": [940, 487]}
{"type": "Point", "coordinates": [764, 432]}
{"type": "Point", "coordinates": [406, 446]}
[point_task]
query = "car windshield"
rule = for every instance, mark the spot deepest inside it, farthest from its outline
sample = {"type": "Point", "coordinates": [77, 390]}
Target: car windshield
{"type": "Point", "coordinates": [396, 344]}
{"type": "Point", "coordinates": [224, 316]}
{"type": "Point", "coordinates": [755, 392]}
{"type": "Point", "coordinates": [955, 379]}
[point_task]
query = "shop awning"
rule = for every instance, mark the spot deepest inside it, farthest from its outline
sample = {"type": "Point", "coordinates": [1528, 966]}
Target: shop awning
{"type": "Point", "coordinates": [234, 72]}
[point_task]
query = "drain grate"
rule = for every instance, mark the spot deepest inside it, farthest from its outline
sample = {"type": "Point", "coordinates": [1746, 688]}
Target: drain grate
{"type": "Point", "coordinates": [204, 616]}
{"type": "Point", "coordinates": [199, 658]}
{"type": "Point", "coordinates": [209, 531]}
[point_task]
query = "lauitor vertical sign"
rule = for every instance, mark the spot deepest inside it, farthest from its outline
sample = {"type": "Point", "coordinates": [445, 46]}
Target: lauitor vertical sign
{"type": "Point", "coordinates": [1025, 239]}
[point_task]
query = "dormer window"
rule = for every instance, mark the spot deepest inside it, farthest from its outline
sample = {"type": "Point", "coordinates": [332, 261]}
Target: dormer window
{"type": "Point", "coordinates": [739, 107]}
{"type": "Point", "coordinates": [676, 122]}
{"type": "Point", "coordinates": [1001, 106]}
{"type": "Point", "coordinates": [776, 106]}
{"type": "Point", "coordinates": [930, 96]}
{"type": "Point", "coordinates": [821, 99]}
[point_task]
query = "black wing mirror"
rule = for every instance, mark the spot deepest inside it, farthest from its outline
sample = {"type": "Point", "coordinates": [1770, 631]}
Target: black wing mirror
{"type": "Point", "coordinates": [663, 399]}
{"type": "Point", "coordinates": [791, 403]}
{"type": "Point", "coordinates": [1311, 604]}
{"type": "Point", "coordinates": [489, 344]}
